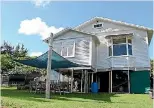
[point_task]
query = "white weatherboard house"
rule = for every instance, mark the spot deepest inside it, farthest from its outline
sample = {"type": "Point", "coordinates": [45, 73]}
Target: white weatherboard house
{"type": "Point", "coordinates": [115, 54]}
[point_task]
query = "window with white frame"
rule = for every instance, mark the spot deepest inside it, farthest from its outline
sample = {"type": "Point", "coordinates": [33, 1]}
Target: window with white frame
{"type": "Point", "coordinates": [68, 49]}
{"type": "Point", "coordinates": [129, 46]}
{"type": "Point", "coordinates": [65, 48]}
{"type": "Point", "coordinates": [120, 46]}
{"type": "Point", "coordinates": [64, 51]}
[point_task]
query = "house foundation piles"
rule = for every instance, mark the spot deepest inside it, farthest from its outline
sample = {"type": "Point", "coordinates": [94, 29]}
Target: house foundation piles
{"type": "Point", "coordinates": [83, 84]}
{"type": "Point", "coordinates": [109, 82]}
{"type": "Point", "coordinates": [92, 77]}
{"type": "Point", "coordinates": [128, 81]}
{"type": "Point", "coordinates": [81, 80]}
{"type": "Point", "coordinates": [113, 81]}
{"type": "Point", "coordinates": [85, 81]}
{"type": "Point", "coordinates": [72, 81]}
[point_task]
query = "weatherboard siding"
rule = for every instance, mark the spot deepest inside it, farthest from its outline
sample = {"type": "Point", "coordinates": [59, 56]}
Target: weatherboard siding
{"type": "Point", "coordinates": [106, 26]}
{"type": "Point", "coordinates": [94, 54]}
{"type": "Point", "coordinates": [139, 59]}
{"type": "Point", "coordinates": [82, 51]}
{"type": "Point", "coordinates": [140, 49]}
{"type": "Point", "coordinates": [102, 55]}
{"type": "Point", "coordinates": [89, 52]}
{"type": "Point", "coordinates": [82, 46]}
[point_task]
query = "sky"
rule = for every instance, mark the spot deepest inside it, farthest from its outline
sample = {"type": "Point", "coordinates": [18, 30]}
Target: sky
{"type": "Point", "coordinates": [29, 22]}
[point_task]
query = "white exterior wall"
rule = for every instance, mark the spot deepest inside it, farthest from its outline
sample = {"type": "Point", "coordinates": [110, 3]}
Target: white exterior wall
{"type": "Point", "coordinates": [102, 55]}
{"type": "Point", "coordinates": [139, 59]}
{"type": "Point", "coordinates": [106, 26]}
{"type": "Point", "coordinates": [140, 49]}
{"type": "Point", "coordinates": [82, 46]}
{"type": "Point", "coordinates": [94, 54]}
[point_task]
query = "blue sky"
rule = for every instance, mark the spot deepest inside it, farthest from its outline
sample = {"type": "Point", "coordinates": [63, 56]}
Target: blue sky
{"type": "Point", "coordinates": [57, 15]}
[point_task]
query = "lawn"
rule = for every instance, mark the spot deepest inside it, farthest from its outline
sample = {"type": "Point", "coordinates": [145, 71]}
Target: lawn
{"type": "Point", "coordinates": [12, 98]}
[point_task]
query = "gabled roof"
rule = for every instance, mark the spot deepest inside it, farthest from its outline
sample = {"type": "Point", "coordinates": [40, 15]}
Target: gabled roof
{"type": "Point", "coordinates": [113, 21]}
{"type": "Point", "coordinates": [149, 30]}
{"type": "Point", "coordinates": [70, 29]}
{"type": "Point", "coordinates": [76, 29]}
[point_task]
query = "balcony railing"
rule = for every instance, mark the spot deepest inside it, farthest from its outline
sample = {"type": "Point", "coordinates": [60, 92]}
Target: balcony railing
{"type": "Point", "coordinates": [121, 61]}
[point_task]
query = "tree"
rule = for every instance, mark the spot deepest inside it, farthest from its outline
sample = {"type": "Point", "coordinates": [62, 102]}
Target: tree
{"type": "Point", "coordinates": [6, 62]}
{"type": "Point", "coordinates": [7, 51]}
{"type": "Point", "coordinates": [23, 51]}
{"type": "Point", "coordinates": [19, 52]}
{"type": "Point", "coordinates": [6, 48]}
{"type": "Point", "coordinates": [16, 51]}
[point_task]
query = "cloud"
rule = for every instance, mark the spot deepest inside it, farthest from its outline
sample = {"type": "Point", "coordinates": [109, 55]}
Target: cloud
{"type": "Point", "coordinates": [42, 3]}
{"type": "Point", "coordinates": [36, 53]}
{"type": "Point", "coordinates": [37, 27]}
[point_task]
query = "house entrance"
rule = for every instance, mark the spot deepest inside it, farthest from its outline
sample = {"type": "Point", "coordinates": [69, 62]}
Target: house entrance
{"type": "Point", "coordinates": [120, 81]}
{"type": "Point", "coordinates": [103, 81]}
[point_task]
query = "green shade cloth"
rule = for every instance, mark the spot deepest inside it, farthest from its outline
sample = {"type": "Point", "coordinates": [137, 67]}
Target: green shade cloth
{"type": "Point", "coordinates": [57, 61]}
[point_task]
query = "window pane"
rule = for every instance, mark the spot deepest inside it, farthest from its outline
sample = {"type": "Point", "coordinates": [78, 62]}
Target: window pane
{"type": "Point", "coordinates": [68, 47]}
{"type": "Point", "coordinates": [129, 40]}
{"type": "Point", "coordinates": [110, 51]}
{"type": "Point", "coordinates": [119, 50]}
{"type": "Point", "coordinates": [119, 40]}
{"type": "Point", "coordinates": [70, 50]}
{"type": "Point", "coordinates": [97, 25]}
{"type": "Point", "coordinates": [64, 51]}
{"type": "Point", "coordinates": [130, 49]}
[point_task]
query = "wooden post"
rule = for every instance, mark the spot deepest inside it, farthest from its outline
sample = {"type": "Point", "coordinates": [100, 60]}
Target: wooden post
{"type": "Point", "coordinates": [86, 82]}
{"type": "Point", "coordinates": [59, 77]}
{"type": "Point", "coordinates": [111, 81]}
{"type": "Point", "coordinates": [128, 75]}
{"type": "Point", "coordinates": [81, 80]}
{"type": "Point", "coordinates": [49, 68]}
{"type": "Point", "coordinates": [92, 77]}
{"type": "Point", "coordinates": [72, 81]}
{"type": "Point", "coordinates": [128, 82]}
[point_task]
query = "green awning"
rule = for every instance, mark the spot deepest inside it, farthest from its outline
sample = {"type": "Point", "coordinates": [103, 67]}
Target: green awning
{"type": "Point", "coordinates": [57, 61]}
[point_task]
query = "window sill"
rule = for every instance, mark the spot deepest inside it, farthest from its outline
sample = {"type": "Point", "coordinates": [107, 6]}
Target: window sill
{"type": "Point", "coordinates": [120, 56]}
{"type": "Point", "coordinates": [69, 56]}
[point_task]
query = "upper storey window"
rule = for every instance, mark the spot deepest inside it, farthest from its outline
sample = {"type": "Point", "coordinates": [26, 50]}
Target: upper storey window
{"type": "Point", "coordinates": [119, 41]}
{"type": "Point", "coordinates": [120, 46]}
{"type": "Point", "coordinates": [65, 48]}
{"type": "Point", "coordinates": [68, 49]}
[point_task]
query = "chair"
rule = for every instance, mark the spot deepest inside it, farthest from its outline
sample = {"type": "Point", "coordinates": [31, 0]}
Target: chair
{"type": "Point", "coordinates": [32, 86]}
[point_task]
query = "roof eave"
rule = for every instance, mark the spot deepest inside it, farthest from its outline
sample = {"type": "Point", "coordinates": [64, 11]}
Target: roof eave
{"type": "Point", "coordinates": [67, 29]}
{"type": "Point", "coordinates": [150, 34]}
{"type": "Point", "coordinates": [55, 35]}
{"type": "Point", "coordinates": [113, 21]}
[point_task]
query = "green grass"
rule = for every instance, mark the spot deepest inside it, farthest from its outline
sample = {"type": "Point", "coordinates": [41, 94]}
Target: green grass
{"type": "Point", "coordinates": [12, 98]}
